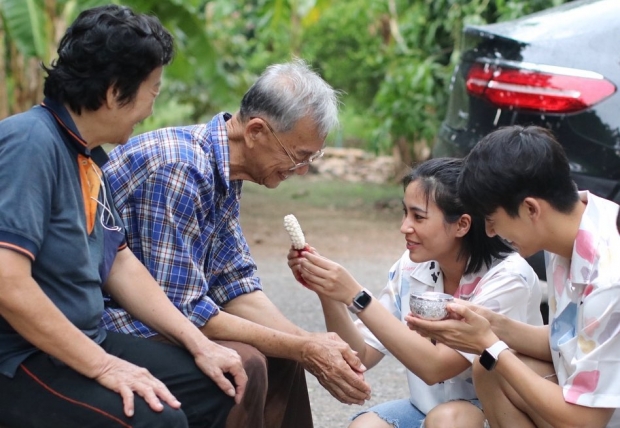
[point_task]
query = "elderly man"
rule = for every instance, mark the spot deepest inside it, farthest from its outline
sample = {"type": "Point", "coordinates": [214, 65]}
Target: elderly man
{"type": "Point", "coordinates": [177, 191]}
{"type": "Point", "coordinates": [61, 242]}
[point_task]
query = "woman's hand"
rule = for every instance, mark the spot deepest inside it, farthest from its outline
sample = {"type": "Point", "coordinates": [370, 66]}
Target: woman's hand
{"type": "Point", "coordinates": [465, 330]}
{"type": "Point", "coordinates": [325, 277]}
{"type": "Point", "coordinates": [294, 262]}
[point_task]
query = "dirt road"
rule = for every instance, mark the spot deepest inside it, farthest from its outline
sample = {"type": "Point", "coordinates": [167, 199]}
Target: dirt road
{"type": "Point", "coordinates": [366, 242]}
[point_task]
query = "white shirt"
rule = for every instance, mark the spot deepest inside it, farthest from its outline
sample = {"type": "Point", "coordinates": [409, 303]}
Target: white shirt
{"type": "Point", "coordinates": [509, 287]}
{"type": "Point", "coordinates": [584, 310]}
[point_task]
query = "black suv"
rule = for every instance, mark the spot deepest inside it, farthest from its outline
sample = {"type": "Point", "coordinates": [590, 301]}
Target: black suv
{"type": "Point", "coordinates": [559, 68]}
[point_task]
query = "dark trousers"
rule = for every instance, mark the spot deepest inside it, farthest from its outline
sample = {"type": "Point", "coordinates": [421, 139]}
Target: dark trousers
{"type": "Point", "coordinates": [276, 395]}
{"type": "Point", "coordinates": [46, 393]}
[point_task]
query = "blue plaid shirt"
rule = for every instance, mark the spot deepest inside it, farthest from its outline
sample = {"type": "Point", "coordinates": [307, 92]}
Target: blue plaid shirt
{"type": "Point", "coordinates": [173, 192]}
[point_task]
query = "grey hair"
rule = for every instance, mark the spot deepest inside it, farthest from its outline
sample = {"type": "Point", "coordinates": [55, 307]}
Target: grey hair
{"type": "Point", "coordinates": [286, 93]}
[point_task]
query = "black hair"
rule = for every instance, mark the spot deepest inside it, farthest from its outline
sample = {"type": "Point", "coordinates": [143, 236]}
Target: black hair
{"type": "Point", "coordinates": [513, 163]}
{"type": "Point", "coordinates": [438, 180]}
{"type": "Point", "coordinates": [106, 46]}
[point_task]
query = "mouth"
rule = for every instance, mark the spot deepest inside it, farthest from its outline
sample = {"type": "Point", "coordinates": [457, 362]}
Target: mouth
{"type": "Point", "coordinates": [508, 242]}
{"type": "Point", "coordinates": [411, 244]}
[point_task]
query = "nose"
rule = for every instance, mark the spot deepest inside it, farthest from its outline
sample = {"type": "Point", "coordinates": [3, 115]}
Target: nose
{"type": "Point", "coordinates": [489, 229]}
{"type": "Point", "coordinates": [406, 227]}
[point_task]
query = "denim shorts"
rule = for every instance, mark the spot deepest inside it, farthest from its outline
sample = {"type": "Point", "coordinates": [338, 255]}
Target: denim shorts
{"type": "Point", "coordinates": [401, 413]}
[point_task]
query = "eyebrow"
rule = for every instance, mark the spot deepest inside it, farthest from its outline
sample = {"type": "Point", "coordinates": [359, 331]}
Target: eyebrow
{"type": "Point", "coordinates": [415, 209]}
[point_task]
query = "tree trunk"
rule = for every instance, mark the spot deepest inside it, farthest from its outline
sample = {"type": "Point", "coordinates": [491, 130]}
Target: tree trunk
{"type": "Point", "coordinates": [4, 95]}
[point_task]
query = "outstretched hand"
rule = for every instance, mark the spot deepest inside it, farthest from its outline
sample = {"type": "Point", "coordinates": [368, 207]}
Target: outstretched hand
{"type": "Point", "coordinates": [294, 262]}
{"type": "Point", "coordinates": [323, 276]}
{"type": "Point", "coordinates": [465, 330]}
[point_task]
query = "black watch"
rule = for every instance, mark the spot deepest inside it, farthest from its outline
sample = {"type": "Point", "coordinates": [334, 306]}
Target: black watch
{"type": "Point", "coordinates": [488, 358]}
{"type": "Point", "coordinates": [360, 301]}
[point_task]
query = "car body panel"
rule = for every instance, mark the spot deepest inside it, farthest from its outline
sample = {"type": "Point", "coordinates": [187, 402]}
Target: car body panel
{"type": "Point", "coordinates": [582, 35]}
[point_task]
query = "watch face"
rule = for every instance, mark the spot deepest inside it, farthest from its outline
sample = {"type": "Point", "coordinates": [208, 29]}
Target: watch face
{"type": "Point", "coordinates": [487, 360]}
{"type": "Point", "coordinates": [362, 300]}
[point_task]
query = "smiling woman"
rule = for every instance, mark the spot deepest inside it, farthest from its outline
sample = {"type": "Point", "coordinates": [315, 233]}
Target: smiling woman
{"type": "Point", "coordinates": [448, 252]}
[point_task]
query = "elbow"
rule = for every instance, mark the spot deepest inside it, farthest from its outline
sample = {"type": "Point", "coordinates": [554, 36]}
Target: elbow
{"type": "Point", "coordinates": [430, 374]}
{"type": "Point", "coordinates": [431, 378]}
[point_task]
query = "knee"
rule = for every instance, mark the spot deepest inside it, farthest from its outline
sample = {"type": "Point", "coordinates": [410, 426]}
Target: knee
{"type": "Point", "coordinates": [254, 363]}
{"type": "Point", "coordinates": [370, 420]}
{"type": "Point", "coordinates": [455, 414]}
{"type": "Point", "coordinates": [167, 418]}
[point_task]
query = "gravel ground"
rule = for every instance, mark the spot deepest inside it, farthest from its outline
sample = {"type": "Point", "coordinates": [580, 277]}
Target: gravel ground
{"type": "Point", "coordinates": [301, 306]}
{"type": "Point", "coordinates": [366, 244]}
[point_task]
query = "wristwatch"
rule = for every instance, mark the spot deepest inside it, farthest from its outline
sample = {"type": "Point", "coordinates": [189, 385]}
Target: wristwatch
{"type": "Point", "coordinates": [360, 301]}
{"type": "Point", "coordinates": [488, 358]}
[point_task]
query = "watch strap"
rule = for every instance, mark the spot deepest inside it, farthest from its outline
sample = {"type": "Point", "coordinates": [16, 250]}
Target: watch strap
{"type": "Point", "coordinates": [497, 348]}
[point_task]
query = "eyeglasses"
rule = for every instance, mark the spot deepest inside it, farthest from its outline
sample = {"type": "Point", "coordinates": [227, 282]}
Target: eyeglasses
{"type": "Point", "coordinates": [296, 165]}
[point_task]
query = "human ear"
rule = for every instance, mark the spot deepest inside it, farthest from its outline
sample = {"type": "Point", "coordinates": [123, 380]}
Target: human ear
{"type": "Point", "coordinates": [463, 225]}
{"type": "Point", "coordinates": [255, 129]}
{"type": "Point", "coordinates": [531, 206]}
{"type": "Point", "coordinates": [111, 97]}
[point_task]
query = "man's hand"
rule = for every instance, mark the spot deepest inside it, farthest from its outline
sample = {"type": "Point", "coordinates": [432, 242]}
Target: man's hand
{"type": "Point", "coordinates": [128, 379]}
{"type": "Point", "coordinates": [215, 360]}
{"type": "Point", "coordinates": [337, 368]}
{"type": "Point", "coordinates": [466, 331]}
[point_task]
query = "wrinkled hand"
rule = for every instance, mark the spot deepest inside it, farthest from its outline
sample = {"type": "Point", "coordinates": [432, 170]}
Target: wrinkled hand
{"type": "Point", "coordinates": [325, 277]}
{"type": "Point", "coordinates": [465, 331]}
{"type": "Point", "coordinates": [337, 368]}
{"type": "Point", "coordinates": [127, 379]}
{"type": "Point", "coordinates": [215, 360]}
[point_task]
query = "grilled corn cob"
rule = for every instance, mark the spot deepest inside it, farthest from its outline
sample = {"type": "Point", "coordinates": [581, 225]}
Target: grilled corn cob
{"type": "Point", "coordinates": [294, 230]}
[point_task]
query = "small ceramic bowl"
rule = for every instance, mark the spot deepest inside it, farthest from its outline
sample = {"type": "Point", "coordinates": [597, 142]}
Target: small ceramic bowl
{"type": "Point", "coordinates": [430, 305]}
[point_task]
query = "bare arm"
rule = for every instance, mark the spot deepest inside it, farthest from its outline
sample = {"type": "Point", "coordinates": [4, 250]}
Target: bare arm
{"type": "Point", "coordinates": [429, 362]}
{"type": "Point", "coordinates": [35, 317]}
{"type": "Point", "coordinates": [460, 335]}
{"type": "Point", "coordinates": [338, 320]}
{"type": "Point", "coordinates": [133, 287]}
{"type": "Point", "coordinates": [327, 357]}
{"type": "Point", "coordinates": [524, 338]}
{"type": "Point", "coordinates": [258, 308]}
{"type": "Point", "coordinates": [546, 398]}
{"type": "Point", "coordinates": [472, 333]}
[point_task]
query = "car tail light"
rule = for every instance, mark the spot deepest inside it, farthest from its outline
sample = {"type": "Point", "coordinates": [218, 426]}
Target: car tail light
{"type": "Point", "coordinates": [548, 89]}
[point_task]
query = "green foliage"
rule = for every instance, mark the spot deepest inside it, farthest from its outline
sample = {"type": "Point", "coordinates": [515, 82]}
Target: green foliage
{"type": "Point", "coordinates": [412, 97]}
{"type": "Point", "coordinates": [391, 58]}
{"type": "Point", "coordinates": [24, 20]}
{"type": "Point", "coordinates": [348, 49]}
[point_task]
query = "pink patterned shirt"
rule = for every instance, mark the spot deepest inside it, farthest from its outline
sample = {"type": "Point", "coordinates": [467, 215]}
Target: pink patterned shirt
{"type": "Point", "coordinates": [584, 309]}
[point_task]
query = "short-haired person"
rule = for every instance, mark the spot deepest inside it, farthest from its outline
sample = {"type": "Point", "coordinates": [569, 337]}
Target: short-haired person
{"type": "Point", "coordinates": [448, 252]}
{"type": "Point", "coordinates": [61, 244]}
{"type": "Point", "coordinates": [178, 192]}
{"type": "Point", "coordinates": [565, 374]}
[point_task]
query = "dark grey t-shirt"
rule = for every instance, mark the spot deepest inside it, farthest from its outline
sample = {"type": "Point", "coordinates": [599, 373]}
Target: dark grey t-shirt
{"type": "Point", "coordinates": [44, 216]}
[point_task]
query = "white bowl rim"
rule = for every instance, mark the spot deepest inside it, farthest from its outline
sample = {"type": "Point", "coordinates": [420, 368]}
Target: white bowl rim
{"type": "Point", "coordinates": [432, 296]}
